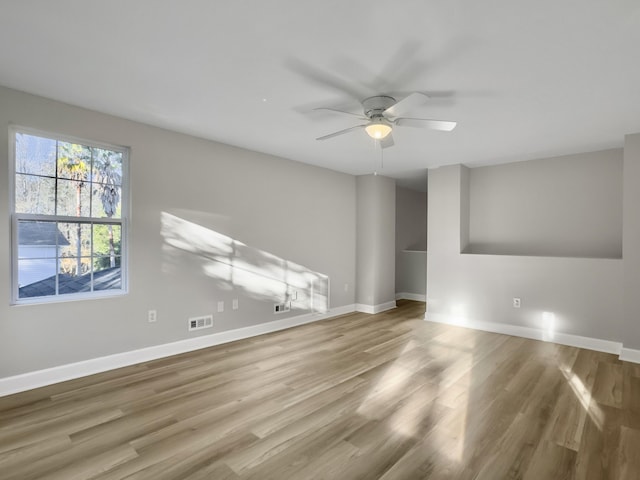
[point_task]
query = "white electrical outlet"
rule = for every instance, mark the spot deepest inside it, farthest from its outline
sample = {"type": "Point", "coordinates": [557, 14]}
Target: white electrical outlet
{"type": "Point", "coordinates": [152, 316]}
{"type": "Point", "coordinates": [234, 304]}
{"type": "Point", "coordinates": [220, 306]}
{"type": "Point", "coordinates": [516, 302]}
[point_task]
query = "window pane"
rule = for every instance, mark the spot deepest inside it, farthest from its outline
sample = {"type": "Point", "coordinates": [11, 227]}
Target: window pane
{"type": "Point", "coordinates": [39, 239]}
{"type": "Point", "coordinates": [35, 155]}
{"type": "Point", "coordinates": [70, 265]}
{"type": "Point", "coordinates": [35, 194]}
{"type": "Point", "coordinates": [107, 277]}
{"type": "Point", "coordinates": [107, 167]}
{"type": "Point", "coordinates": [103, 262]}
{"type": "Point", "coordinates": [69, 282]}
{"type": "Point", "coordinates": [74, 161]}
{"type": "Point", "coordinates": [107, 240]}
{"type": "Point", "coordinates": [78, 244]}
{"type": "Point", "coordinates": [69, 186]}
{"type": "Point", "coordinates": [106, 201]}
{"type": "Point", "coordinates": [73, 198]}
{"type": "Point", "coordinates": [36, 278]}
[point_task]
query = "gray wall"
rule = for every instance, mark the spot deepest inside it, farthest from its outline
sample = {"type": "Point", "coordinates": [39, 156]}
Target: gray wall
{"type": "Point", "coordinates": [631, 242]}
{"type": "Point", "coordinates": [568, 206]}
{"type": "Point", "coordinates": [411, 241]}
{"type": "Point", "coordinates": [279, 208]}
{"type": "Point", "coordinates": [411, 219]}
{"type": "Point", "coordinates": [376, 212]}
{"type": "Point", "coordinates": [585, 294]}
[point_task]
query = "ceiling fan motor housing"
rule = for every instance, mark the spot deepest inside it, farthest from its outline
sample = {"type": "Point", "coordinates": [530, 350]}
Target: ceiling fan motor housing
{"type": "Point", "coordinates": [374, 106]}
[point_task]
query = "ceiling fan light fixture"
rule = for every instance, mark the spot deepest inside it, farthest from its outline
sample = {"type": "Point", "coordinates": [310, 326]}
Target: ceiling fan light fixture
{"type": "Point", "coordinates": [378, 130]}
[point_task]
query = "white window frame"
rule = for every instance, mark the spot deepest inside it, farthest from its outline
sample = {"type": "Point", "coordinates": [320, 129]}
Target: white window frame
{"type": "Point", "coordinates": [123, 221]}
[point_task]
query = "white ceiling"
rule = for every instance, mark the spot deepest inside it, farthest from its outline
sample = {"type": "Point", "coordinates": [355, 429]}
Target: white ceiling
{"type": "Point", "coordinates": [524, 79]}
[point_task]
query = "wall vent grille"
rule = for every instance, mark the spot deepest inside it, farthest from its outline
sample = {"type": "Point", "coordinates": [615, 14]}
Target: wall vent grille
{"type": "Point", "coordinates": [198, 323]}
{"type": "Point", "coordinates": [282, 307]}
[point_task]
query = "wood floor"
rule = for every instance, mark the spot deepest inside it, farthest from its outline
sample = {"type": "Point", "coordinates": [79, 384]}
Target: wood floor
{"type": "Point", "coordinates": [384, 396]}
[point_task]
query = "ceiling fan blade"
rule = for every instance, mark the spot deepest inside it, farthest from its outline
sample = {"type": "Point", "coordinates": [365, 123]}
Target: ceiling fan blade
{"type": "Point", "coordinates": [340, 132]}
{"type": "Point", "coordinates": [387, 141]}
{"type": "Point", "coordinates": [324, 78]}
{"type": "Point", "coordinates": [444, 125]}
{"type": "Point", "coordinates": [342, 112]}
{"type": "Point", "coordinates": [406, 104]}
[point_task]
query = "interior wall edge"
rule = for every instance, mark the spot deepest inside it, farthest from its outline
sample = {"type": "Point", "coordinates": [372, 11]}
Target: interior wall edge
{"type": "Point", "coordinates": [630, 355]}
{"type": "Point", "coordinates": [411, 296]}
{"type": "Point", "coordinates": [381, 307]}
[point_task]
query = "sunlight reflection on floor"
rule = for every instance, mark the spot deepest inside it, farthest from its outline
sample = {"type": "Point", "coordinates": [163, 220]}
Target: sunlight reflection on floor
{"type": "Point", "coordinates": [386, 389]}
{"type": "Point", "coordinates": [583, 395]}
{"type": "Point", "coordinates": [455, 436]}
{"type": "Point", "coordinates": [450, 387]}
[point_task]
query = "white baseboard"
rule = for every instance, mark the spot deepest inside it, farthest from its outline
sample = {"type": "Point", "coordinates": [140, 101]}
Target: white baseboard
{"type": "Point", "coordinates": [606, 346]}
{"type": "Point", "coordinates": [411, 296]}
{"type": "Point", "coordinates": [630, 355]}
{"type": "Point", "coordinates": [382, 307]}
{"type": "Point", "coordinates": [41, 378]}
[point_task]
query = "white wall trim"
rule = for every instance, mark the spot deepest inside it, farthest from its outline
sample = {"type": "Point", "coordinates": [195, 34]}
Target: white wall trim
{"type": "Point", "coordinates": [41, 378]}
{"type": "Point", "coordinates": [382, 307]}
{"type": "Point", "coordinates": [630, 355]}
{"type": "Point", "coordinates": [411, 296]}
{"type": "Point", "coordinates": [599, 345]}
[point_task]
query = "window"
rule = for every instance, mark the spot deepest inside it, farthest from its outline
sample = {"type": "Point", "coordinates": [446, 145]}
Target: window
{"type": "Point", "coordinates": [69, 218]}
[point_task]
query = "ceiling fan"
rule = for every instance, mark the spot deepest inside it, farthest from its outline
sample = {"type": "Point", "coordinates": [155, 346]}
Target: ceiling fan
{"type": "Point", "coordinates": [382, 113]}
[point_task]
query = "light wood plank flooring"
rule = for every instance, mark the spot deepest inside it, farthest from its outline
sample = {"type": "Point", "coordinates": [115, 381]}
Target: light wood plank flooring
{"type": "Point", "coordinates": [384, 396]}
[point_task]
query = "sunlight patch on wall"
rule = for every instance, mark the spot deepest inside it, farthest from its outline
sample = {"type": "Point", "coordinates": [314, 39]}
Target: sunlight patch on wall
{"type": "Point", "coordinates": [548, 326]}
{"type": "Point", "coordinates": [458, 315]}
{"type": "Point", "coordinates": [259, 274]}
